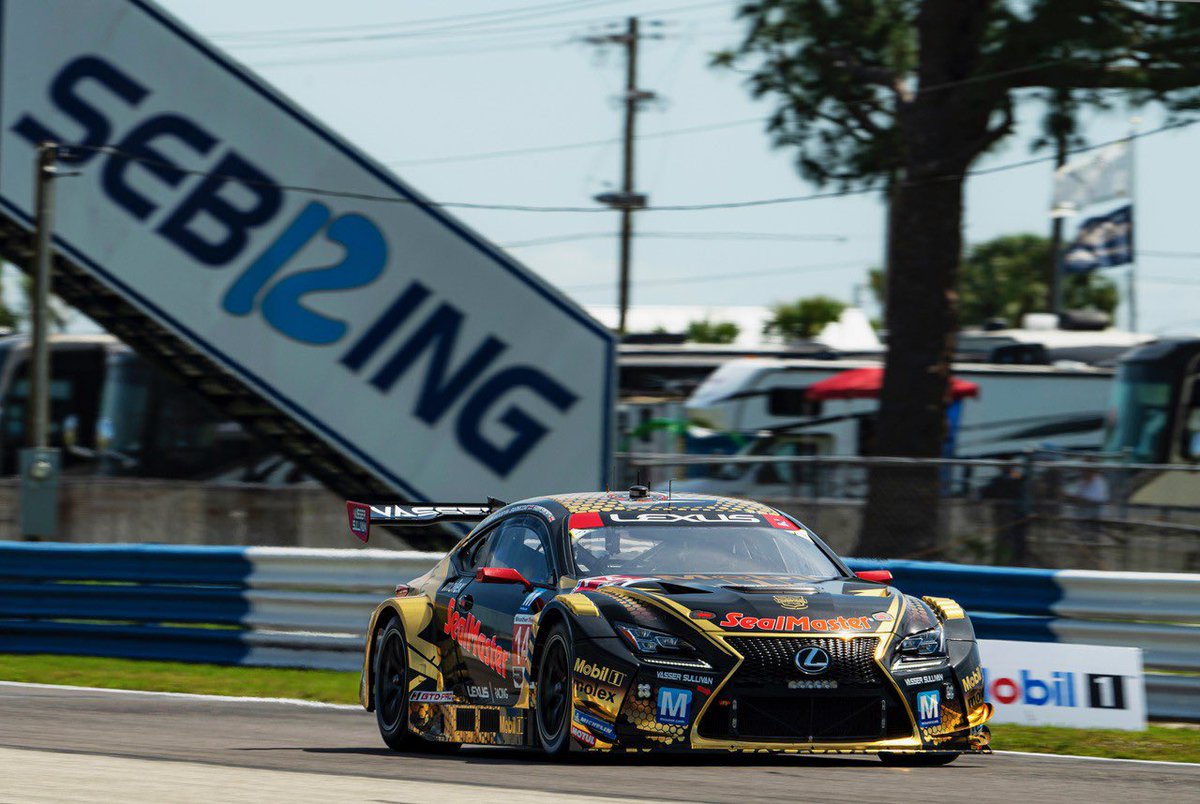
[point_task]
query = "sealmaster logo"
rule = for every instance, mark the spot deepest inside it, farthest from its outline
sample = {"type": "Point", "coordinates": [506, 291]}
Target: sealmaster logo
{"type": "Point", "coordinates": [465, 631]}
{"type": "Point", "coordinates": [735, 619]}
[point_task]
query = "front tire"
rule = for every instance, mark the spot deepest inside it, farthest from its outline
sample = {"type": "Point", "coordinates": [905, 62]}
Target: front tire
{"type": "Point", "coordinates": [554, 693]}
{"type": "Point", "coordinates": [916, 760]}
{"type": "Point", "coordinates": [391, 689]}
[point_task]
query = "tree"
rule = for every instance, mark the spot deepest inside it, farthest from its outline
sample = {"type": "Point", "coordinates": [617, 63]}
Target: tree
{"type": "Point", "coordinates": [708, 331]}
{"type": "Point", "coordinates": [803, 318]}
{"type": "Point", "coordinates": [1005, 278]}
{"type": "Point", "coordinates": [904, 95]}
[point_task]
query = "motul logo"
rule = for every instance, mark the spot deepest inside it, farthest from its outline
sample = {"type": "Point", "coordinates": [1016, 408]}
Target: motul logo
{"type": "Point", "coordinates": [664, 517]}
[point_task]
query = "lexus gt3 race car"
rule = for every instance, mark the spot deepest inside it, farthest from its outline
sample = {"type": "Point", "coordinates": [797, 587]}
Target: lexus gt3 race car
{"type": "Point", "coordinates": [635, 622]}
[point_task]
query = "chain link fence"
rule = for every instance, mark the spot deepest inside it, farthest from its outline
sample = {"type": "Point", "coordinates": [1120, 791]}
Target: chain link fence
{"type": "Point", "coordinates": [1032, 511]}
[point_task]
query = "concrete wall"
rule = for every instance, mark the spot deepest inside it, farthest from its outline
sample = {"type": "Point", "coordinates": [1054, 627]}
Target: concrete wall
{"type": "Point", "coordinates": [174, 512]}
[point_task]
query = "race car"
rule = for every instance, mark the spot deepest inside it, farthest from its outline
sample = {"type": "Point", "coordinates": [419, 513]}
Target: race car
{"type": "Point", "coordinates": [642, 621]}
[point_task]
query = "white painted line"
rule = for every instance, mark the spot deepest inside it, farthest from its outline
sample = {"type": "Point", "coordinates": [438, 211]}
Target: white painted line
{"type": "Point", "coordinates": [355, 707]}
{"type": "Point", "coordinates": [1098, 759]}
{"type": "Point", "coordinates": [187, 695]}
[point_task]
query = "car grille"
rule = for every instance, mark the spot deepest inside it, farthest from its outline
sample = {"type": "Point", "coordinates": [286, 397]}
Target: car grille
{"type": "Point", "coordinates": [840, 717]}
{"type": "Point", "coordinates": [756, 703]}
{"type": "Point", "coordinates": [771, 661]}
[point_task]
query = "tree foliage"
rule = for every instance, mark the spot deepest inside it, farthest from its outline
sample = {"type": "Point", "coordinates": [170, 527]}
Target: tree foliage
{"type": "Point", "coordinates": [1006, 278]}
{"type": "Point", "coordinates": [905, 95]}
{"type": "Point", "coordinates": [708, 331]}
{"type": "Point", "coordinates": [803, 318]}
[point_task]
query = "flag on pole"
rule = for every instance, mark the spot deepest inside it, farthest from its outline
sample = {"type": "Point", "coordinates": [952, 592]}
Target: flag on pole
{"type": "Point", "coordinates": [1104, 241]}
{"type": "Point", "coordinates": [1104, 176]}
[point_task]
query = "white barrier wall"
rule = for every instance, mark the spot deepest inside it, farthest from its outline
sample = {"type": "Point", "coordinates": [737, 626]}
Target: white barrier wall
{"type": "Point", "coordinates": [1053, 684]}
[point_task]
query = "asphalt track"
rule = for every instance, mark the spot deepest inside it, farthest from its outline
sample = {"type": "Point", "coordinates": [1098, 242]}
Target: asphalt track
{"type": "Point", "coordinates": [94, 745]}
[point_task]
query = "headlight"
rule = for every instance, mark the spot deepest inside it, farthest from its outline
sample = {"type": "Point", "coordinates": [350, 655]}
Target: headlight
{"type": "Point", "coordinates": [925, 645]}
{"type": "Point", "coordinates": [920, 633]}
{"type": "Point", "coordinates": [658, 647]}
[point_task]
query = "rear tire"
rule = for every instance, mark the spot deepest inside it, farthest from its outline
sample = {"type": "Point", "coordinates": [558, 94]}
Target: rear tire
{"type": "Point", "coordinates": [916, 760]}
{"type": "Point", "coordinates": [391, 689]}
{"type": "Point", "coordinates": [555, 689]}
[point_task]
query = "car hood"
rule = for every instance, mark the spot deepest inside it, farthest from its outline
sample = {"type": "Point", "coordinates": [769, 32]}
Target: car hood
{"type": "Point", "coordinates": [770, 603]}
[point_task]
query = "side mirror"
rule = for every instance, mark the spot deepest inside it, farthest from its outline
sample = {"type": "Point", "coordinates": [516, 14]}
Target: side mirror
{"type": "Point", "coordinates": [501, 575]}
{"type": "Point", "coordinates": [875, 576]}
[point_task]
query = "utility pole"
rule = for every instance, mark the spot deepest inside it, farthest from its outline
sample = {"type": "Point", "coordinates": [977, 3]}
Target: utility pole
{"type": "Point", "coordinates": [627, 200]}
{"type": "Point", "coordinates": [39, 463]}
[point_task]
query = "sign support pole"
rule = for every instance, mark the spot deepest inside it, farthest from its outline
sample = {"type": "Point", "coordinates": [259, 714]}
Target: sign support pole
{"type": "Point", "coordinates": [39, 463]}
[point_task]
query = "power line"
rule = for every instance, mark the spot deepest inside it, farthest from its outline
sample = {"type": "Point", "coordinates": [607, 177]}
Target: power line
{"type": "Point", "coordinates": [692, 279]}
{"type": "Point", "coordinates": [537, 149]}
{"type": "Point", "coordinates": [761, 236]}
{"type": "Point", "coordinates": [454, 20]}
{"type": "Point", "coordinates": [720, 205]}
{"type": "Point", "coordinates": [342, 35]}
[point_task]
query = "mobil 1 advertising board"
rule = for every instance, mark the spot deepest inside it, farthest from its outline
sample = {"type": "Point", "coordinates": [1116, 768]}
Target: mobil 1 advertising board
{"type": "Point", "coordinates": [1056, 684]}
{"type": "Point", "coordinates": [382, 324]}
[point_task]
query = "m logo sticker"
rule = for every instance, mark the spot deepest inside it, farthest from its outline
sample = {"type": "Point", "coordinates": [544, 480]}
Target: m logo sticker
{"type": "Point", "coordinates": [674, 706]}
{"type": "Point", "coordinates": [929, 709]}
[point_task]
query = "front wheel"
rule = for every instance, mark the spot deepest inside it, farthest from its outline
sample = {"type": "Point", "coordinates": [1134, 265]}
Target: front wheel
{"type": "Point", "coordinates": [553, 712]}
{"type": "Point", "coordinates": [916, 760]}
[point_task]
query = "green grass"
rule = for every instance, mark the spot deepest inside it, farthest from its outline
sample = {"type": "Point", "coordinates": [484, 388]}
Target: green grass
{"type": "Point", "coordinates": [209, 679]}
{"type": "Point", "coordinates": [1159, 742]}
{"type": "Point", "coordinates": [1176, 744]}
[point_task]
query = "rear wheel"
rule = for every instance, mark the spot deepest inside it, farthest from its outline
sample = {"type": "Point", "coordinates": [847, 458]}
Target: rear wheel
{"type": "Point", "coordinates": [391, 689]}
{"type": "Point", "coordinates": [916, 760]}
{"type": "Point", "coordinates": [553, 712]}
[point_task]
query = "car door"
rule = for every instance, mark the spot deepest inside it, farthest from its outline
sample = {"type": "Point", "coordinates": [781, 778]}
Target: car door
{"type": "Point", "coordinates": [453, 605]}
{"type": "Point", "coordinates": [495, 657]}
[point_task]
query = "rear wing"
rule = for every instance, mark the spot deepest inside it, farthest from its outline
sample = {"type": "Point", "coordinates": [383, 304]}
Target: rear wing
{"type": "Point", "coordinates": [362, 515]}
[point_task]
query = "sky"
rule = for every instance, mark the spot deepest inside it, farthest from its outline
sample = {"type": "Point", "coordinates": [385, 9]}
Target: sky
{"type": "Point", "coordinates": [435, 90]}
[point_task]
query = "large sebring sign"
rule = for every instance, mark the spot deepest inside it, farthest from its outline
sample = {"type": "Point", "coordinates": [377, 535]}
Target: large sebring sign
{"type": "Point", "coordinates": [387, 329]}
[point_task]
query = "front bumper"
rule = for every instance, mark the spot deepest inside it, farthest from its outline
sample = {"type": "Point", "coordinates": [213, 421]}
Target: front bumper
{"type": "Point", "coordinates": [753, 701]}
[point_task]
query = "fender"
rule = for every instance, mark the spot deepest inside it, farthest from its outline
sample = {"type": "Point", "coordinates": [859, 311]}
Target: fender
{"type": "Point", "coordinates": [955, 622]}
{"type": "Point", "coordinates": [416, 615]}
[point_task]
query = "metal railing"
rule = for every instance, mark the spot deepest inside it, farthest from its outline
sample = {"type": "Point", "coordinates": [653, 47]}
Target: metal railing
{"type": "Point", "coordinates": [308, 608]}
{"type": "Point", "coordinates": [1078, 514]}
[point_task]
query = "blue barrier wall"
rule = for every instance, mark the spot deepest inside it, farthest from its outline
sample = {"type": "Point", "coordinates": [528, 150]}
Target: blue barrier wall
{"type": "Point", "coordinates": [136, 601]}
{"type": "Point", "coordinates": [294, 607]}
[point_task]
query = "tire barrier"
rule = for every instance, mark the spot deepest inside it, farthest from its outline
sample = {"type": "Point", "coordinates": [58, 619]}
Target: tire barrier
{"type": "Point", "coordinates": [295, 607]}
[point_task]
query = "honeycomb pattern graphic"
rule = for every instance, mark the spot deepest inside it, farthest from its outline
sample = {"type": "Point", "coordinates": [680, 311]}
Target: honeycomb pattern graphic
{"type": "Point", "coordinates": [608, 502]}
{"type": "Point", "coordinates": [639, 611]}
{"type": "Point", "coordinates": [641, 714]}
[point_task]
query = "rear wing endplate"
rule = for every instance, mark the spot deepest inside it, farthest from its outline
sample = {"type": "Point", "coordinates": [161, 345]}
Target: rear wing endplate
{"type": "Point", "coordinates": [362, 515]}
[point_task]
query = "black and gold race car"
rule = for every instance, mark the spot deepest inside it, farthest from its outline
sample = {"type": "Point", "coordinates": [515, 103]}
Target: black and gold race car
{"type": "Point", "coordinates": [635, 621]}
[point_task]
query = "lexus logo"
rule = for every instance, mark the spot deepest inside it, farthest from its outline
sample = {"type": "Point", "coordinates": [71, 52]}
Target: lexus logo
{"type": "Point", "coordinates": [812, 661]}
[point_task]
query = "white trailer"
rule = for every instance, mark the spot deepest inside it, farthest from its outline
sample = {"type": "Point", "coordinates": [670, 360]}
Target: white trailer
{"type": "Point", "coordinates": [1019, 407]}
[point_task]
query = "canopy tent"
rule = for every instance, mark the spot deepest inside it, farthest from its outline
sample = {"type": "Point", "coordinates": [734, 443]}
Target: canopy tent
{"type": "Point", "coordinates": [865, 383]}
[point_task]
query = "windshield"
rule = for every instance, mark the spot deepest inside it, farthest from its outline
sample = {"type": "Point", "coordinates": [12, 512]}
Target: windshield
{"type": "Point", "coordinates": [1139, 412]}
{"type": "Point", "coordinates": [679, 549]}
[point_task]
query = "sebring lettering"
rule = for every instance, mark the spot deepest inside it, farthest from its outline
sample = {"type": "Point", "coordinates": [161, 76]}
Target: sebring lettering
{"type": "Point", "coordinates": [415, 338]}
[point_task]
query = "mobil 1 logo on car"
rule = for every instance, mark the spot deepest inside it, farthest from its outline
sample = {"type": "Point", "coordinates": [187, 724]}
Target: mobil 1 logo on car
{"type": "Point", "coordinates": [380, 323]}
